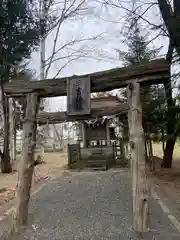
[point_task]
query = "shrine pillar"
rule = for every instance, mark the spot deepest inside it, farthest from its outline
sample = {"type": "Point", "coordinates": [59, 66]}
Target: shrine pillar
{"type": "Point", "coordinates": [84, 134]}
{"type": "Point", "coordinates": [108, 134]}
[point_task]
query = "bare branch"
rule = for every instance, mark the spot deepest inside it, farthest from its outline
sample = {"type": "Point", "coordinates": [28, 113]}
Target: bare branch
{"type": "Point", "coordinates": [171, 21]}
{"type": "Point", "coordinates": [54, 47]}
{"type": "Point", "coordinates": [52, 58]}
{"type": "Point", "coordinates": [66, 10]}
{"type": "Point", "coordinates": [65, 65]}
{"type": "Point", "coordinates": [141, 15]}
{"type": "Point", "coordinates": [169, 55]}
{"type": "Point", "coordinates": [69, 10]}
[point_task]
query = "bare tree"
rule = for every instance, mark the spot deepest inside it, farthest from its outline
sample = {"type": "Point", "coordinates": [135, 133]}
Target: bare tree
{"type": "Point", "coordinates": [59, 133]}
{"type": "Point", "coordinates": [71, 49]}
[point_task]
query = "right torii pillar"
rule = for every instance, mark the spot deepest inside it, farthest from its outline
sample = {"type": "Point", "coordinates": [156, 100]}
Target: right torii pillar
{"type": "Point", "coordinates": [140, 191]}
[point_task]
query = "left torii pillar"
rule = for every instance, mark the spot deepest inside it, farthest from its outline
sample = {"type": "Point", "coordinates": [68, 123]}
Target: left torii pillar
{"type": "Point", "coordinates": [26, 166]}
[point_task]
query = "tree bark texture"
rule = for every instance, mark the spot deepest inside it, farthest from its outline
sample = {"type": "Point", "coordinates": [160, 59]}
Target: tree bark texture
{"type": "Point", "coordinates": [152, 159]}
{"type": "Point", "coordinates": [163, 140]}
{"type": "Point", "coordinates": [12, 130]}
{"type": "Point", "coordinates": [146, 151]}
{"type": "Point", "coordinates": [149, 146]}
{"type": "Point", "coordinates": [171, 123]}
{"type": "Point", "coordinates": [140, 189]}
{"type": "Point", "coordinates": [5, 160]}
{"type": "Point", "coordinates": [122, 148]}
{"type": "Point", "coordinates": [15, 136]}
{"type": "Point", "coordinates": [168, 153]}
{"type": "Point", "coordinates": [26, 165]}
{"type": "Point", "coordinates": [171, 19]}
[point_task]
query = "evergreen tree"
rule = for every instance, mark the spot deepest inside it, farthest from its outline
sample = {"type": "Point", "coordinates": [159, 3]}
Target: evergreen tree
{"type": "Point", "coordinates": [139, 52]}
{"type": "Point", "coordinates": [19, 36]}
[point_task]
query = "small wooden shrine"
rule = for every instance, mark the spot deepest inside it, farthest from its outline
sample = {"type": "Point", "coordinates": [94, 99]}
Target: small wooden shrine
{"type": "Point", "coordinates": [97, 132]}
{"type": "Point", "coordinates": [97, 151]}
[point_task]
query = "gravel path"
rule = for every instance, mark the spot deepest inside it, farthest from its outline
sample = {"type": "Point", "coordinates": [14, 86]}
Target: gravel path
{"type": "Point", "coordinates": [91, 206]}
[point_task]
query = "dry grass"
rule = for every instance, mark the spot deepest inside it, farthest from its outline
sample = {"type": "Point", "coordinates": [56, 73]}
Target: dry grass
{"type": "Point", "coordinates": [167, 180]}
{"type": "Point", "coordinates": [157, 149]}
{"type": "Point", "coordinates": [54, 163]}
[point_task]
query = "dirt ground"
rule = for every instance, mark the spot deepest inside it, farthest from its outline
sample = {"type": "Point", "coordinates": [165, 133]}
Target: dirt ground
{"type": "Point", "coordinates": [167, 179]}
{"type": "Point", "coordinates": [54, 164]}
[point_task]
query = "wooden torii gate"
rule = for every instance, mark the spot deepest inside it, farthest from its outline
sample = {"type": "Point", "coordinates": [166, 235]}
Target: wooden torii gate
{"type": "Point", "coordinates": [154, 72]}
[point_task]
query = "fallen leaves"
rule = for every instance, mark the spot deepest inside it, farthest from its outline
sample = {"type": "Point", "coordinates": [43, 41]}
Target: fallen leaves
{"type": "Point", "coordinates": [54, 163]}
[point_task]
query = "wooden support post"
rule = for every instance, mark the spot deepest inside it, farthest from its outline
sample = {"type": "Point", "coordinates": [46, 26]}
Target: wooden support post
{"type": "Point", "coordinates": [108, 134]}
{"type": "Point", "coordinates": [26, 165]}
{"type": "Point", "coordinates": [140, 189]}
{"type": "Point", "coordinates": [84, 137]}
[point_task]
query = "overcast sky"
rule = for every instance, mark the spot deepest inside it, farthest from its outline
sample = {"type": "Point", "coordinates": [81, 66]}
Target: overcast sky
{"type": "Point", "coordinates": [89, 26]}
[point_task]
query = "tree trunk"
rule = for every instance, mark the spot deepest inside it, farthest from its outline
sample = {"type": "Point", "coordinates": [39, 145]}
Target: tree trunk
{"type": "Point", "coordinates": [168, 153]}
{"type": "Point", "coordinates": [171, 121]}
{"type": "Point", "coordinates": [43, 17]}
{"type": "Point", "coordinates": [140, 189]}
{"type": "Point", "coordinates": [163, 147]}
{"type": "Point", "coordinates": [163, 140]}
{"type": "Point", "coordinates": [150, 150]}
{"type": "Point", "coordinates": [146, 150]}
{"type": "Point", "coordinates": [15, 135]}
{"type": "Point", "coordinates": [122, 149]}
{"type": "Point", "coordinates": [172, 21]}
{"type": "Point", "coordinates": [12, 130]}
{"type": "Point", "coordinates": [26, 166]}
{"type": "Point", "coordinates": [59, 134]}
{"type": "Point", "coordinates": [149, 147]}
{"type": "Point", "coordinates": [5, 161]}
{"type": "Point", "coordinates": [171, 114]}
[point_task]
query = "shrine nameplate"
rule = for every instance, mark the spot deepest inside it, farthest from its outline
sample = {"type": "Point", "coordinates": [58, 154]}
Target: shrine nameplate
{"type": "Point", "coordinates": [78, 96]}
